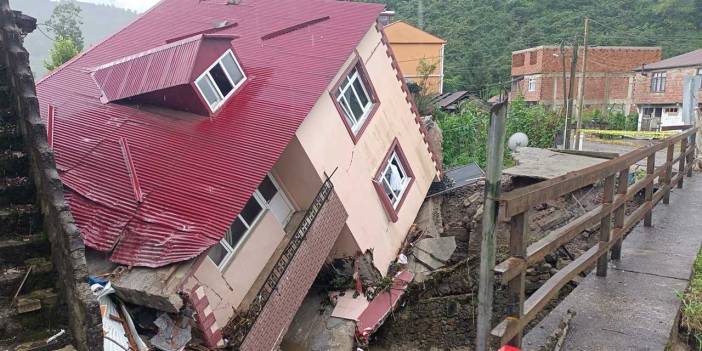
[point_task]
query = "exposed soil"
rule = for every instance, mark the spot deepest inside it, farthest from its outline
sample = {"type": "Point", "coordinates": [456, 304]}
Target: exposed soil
{"type": "Point", "coordinates": [440, 312]}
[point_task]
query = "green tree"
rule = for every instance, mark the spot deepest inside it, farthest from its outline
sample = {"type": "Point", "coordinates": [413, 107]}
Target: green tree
{"type": "Point", "coordinates": [482, 34]}
{"type": "Point", "coordinates": [65, 22]}
{"type": "Point", "coordinates": [64, 49]}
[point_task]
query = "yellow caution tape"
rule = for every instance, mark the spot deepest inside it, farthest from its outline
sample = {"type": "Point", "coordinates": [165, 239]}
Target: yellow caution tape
{"type": "Point", "coordinates": [631, 134]}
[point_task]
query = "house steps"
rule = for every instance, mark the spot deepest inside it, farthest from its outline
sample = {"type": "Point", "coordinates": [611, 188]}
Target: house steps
{"type": "Point", "coordinates": [19, 220]}
{"type": "Point", "coordinates": [13, 163]}
{"type": "Point", "coordinates": [16, 191]}
{"type": "Point", "coordinates": [30, 310]}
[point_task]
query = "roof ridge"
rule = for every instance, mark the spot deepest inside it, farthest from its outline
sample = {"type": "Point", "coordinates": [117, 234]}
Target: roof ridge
{"type": "Point", "coordinates": [149, 52]}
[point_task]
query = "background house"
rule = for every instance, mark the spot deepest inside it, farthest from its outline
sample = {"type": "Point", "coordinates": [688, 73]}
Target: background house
{"type": "Point", "coordinates": [413, 46]}
{"type": "Point", "coordinates": [658, 92]}
{"type": "Point", "coordinates": [609, 81]}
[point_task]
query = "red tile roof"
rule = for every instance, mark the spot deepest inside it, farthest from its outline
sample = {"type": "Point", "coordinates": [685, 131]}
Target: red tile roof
{"type": "Point", "coordinates": [195, 174]}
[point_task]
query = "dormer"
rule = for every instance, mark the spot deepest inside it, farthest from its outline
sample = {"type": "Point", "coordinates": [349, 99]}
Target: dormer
{"type": "Point", "coordinates": [198, 74]}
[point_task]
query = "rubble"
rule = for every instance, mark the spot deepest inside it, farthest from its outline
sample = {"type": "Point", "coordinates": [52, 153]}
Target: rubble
{"type": "Point", "coordinates": [434, 252]}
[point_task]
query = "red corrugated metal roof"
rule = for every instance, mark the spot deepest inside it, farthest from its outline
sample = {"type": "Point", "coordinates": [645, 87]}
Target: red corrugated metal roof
{"type": "Point", "coordinates": [195, 174]}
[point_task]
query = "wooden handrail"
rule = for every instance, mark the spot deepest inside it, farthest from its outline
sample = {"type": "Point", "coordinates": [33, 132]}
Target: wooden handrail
{"type": "Point", "coordinates": [611, 215]}
{"type": "Point", "coordinates": [519, 200]}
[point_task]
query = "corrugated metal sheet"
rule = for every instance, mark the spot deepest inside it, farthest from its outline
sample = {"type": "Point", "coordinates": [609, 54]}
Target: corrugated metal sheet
{"type": "Point", "coordinates": [157, 69]}
{"type": "Point", "coordinates": [195, 174]}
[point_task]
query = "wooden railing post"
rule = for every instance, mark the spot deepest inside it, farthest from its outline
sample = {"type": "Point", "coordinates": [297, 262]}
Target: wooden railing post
{"type": "Point", "coordinates": [650, 169]}
{"type": "Point", "coordinates": [519, 230]}
{"type": "Point", "coordinates": [681, 167]}
{"type": "Point", "coordinates": [691, 156]}
{"type": "Point", "coordinates": [668, 173]}
{"type": "Point", "coordinates": [620, 213]}
{"type": "Point", "coordinates": [606, 225]}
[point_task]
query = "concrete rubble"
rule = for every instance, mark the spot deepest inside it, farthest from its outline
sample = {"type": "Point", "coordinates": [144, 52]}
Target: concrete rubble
{"type": "Point", "coordinates": [434, 252]}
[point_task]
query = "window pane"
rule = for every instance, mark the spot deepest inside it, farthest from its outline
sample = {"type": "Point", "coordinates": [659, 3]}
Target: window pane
{"type": "Point", "coordinates": [356, 108]}
{"type": "Point", "coordinates": [357, 84]}
{"type": "Point", "coordinates": [232, 68]}
{"type": "Point", "coordinates": [221, 80]}
{"type": "Point", "coordinates": [236, 232]}
{"type": "Point", "coordinates": [251, 211]}
{"type": "Point", "coordinates": [207, 90]}
{"type": "Point", "coordinates": [388, 192]}
{"type": "Point", "coordinates": [267, 189]}
{"type": "Point", "coordinates": [347, 111]}
{"type": "Point", "coordinates": [217, 253]}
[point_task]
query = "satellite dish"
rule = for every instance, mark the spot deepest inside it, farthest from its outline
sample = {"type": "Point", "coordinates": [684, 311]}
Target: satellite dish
{"type": "Point", "coordinates": [518, 140]}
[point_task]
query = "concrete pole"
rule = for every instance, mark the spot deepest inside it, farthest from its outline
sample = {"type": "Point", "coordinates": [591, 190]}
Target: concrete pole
{"type": "Point", "coordinates": [565, 97]}
{"type": "Point", "coordinates": [571, 89]}
{"type": "Point", "coordinates": [581, 89]}
{"type": "Point", "coordinates": [493, 184]}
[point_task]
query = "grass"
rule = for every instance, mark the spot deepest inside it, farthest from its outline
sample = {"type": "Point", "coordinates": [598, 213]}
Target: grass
{"type": "Point", "coordinates": [692, 304]}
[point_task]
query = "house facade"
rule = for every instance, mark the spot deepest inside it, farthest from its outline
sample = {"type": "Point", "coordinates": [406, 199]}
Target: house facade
{"type": "Point", "coordinates": [658, 92]}
{"type": "Point", "coordinates": [231, 151]}
{"type": "Point", "coordinates": [413, 48]}
{"type": "Point", "coordinates": [609, 82]}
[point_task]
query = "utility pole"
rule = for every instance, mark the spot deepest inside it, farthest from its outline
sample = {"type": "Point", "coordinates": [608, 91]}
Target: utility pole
{"type": "Point", "coordinates": [571, 90]}
{"type": "Point", "coordinates": [565, 97]}
{"type": "Point", "coordinates": [581, 88]}
{"type": "Point", "coordinates": [493, 185]}
{"type": "Point", "coordinates": [420, 14]}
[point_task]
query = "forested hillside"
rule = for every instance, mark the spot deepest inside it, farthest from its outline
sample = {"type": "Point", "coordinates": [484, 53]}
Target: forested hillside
{"type": "Point", "coordinates": [482, 34]}
{"type": "Point", "coordinates": [99, 21]}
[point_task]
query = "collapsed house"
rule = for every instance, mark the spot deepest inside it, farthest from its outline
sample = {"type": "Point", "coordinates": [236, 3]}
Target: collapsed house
{"type": "Point", "coordinates": [215, 154]}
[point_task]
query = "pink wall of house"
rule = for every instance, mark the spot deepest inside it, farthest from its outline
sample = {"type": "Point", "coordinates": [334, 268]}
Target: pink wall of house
{"type": "Point", "coordinates": [329, 146]}
{"type": "Point", "coordinates": [323, 145]}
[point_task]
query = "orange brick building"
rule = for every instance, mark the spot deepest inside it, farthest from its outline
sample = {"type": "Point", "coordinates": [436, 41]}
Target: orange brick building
{"type": "Point", "coordinates": [658, 90]}
{"type": "Point", "coordinates": [609, 82]}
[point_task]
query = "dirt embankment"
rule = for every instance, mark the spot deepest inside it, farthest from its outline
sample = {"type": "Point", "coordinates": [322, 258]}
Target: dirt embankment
{"type": "Point", "coordinates": [440, 312]}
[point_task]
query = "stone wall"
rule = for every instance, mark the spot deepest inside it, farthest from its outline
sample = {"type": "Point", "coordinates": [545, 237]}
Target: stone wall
{"type": "Point", "coordinates": [67, 248]}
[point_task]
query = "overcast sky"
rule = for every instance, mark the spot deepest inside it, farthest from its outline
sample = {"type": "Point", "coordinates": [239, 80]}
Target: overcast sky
{"type": "Point", "coordinates": [136, 5]}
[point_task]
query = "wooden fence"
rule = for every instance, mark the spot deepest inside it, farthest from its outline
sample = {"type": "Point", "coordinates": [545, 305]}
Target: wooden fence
{"type": "Point", "coordinates": [610, 214]}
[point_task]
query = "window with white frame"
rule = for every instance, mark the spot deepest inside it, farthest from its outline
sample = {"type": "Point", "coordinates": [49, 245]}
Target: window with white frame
{"type": "Point", "coordinates": [658, 82]}
{"type": "Point", "coordinates": [354, 98]}
{"type": "Point", "coordinates": [699, 73]}
{"type": "Point", "coordinates": [259, 202]}
{"type": "Point", "coordinates": [394, 179]}
{"type": "Point", "coordinates": [532, 84]}
{"type": "Point", "coordinates": [220, 80]}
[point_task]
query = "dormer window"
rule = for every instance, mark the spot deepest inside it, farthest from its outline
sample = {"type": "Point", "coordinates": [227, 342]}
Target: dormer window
{"type": "Point", "coordinates": [220, 80]}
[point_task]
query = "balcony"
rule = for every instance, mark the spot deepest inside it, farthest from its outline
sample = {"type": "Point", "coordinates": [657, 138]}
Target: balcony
{"type": "Point", "coordinates": [289, 274]}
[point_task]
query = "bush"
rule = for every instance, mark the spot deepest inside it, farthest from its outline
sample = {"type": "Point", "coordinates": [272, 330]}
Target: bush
{"type": "Point", "coordinates": [466, 132]}
{"type": "Point", "coordinates": [611, 120]}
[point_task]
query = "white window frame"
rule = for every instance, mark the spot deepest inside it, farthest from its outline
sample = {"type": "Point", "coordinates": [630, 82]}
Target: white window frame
{"type": "Point", "coordinates": [699, 73]}
{"type": "Point", "coordinates": [658, 82]}
{"type": "Point", "coordinates": [405, 181]}
{"type": "Point", "coordinates": [531, 85]}
{"type": "Point", "coordinates": [206, 75]}
{"type": "Point", "coordinates": [231, 251]}
{"type": "Point", "coordinates": [358, 123]}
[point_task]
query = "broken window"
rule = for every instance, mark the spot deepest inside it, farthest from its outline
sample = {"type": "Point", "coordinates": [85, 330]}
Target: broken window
{"type": "Point", "coordinates": [354, 99]}
{"type": "Point", "coordinates": [394, 179]}
{"type": "Point", "coordinates": [221, 80]}
{"type": "Point", "coordinates": [658, 82]}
